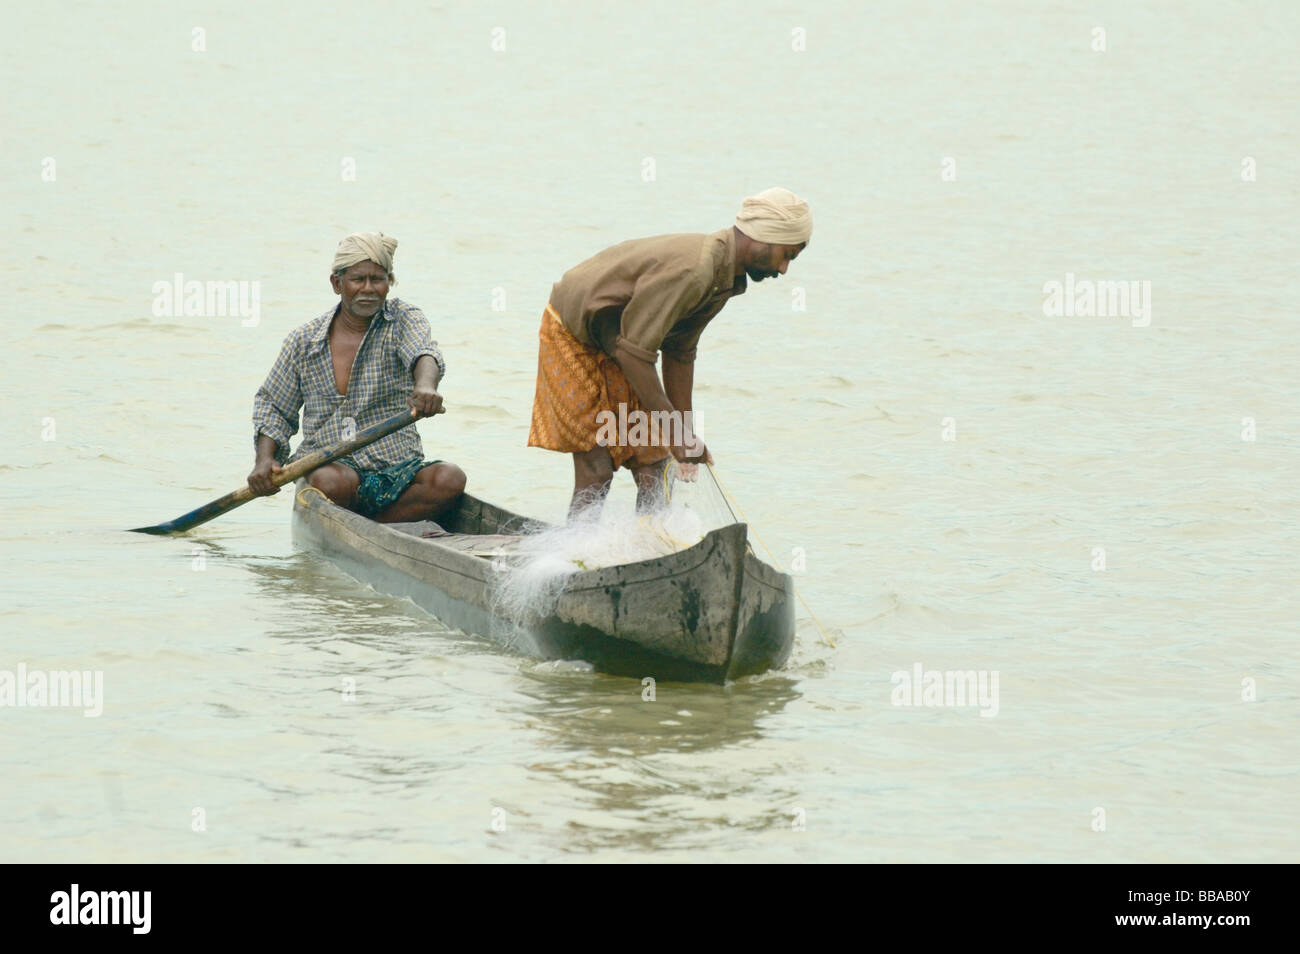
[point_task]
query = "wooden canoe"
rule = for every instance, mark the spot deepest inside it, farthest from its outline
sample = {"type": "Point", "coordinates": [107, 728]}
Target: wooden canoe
{"type": "Point", "coordinates": [709, 613]}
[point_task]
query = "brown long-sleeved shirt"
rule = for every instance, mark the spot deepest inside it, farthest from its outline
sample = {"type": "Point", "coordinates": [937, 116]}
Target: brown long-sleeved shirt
{"type": "Point", "coordinates": [650, 294]}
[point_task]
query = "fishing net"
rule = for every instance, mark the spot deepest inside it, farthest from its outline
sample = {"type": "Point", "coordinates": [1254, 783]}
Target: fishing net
{"type": "Point", "coordinates": [530, 579]}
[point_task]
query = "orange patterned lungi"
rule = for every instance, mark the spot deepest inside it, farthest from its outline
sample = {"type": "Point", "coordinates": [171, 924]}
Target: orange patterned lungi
{"type": "Point", "coordinates": [574, 384]}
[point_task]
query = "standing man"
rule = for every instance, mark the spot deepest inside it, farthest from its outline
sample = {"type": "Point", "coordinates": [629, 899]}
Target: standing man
{"type": "Point", "coordinates": [361, 362]}
{"type": "Point", "coordinates": [609, 317]}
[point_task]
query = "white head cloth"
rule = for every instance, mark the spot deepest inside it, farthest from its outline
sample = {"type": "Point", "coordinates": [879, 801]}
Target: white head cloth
{"type": "Point", "coordinates": [777, 217]}
{"type": "Point", "coordinates": [366, 247]}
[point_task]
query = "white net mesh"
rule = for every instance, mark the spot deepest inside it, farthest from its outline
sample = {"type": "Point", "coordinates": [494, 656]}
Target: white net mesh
{"type": "Point", "coordinates": [531, 578]}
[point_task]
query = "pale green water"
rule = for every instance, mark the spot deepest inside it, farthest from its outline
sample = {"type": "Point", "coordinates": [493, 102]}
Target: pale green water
{"type": "Point", "coordinates": [1119, 689]}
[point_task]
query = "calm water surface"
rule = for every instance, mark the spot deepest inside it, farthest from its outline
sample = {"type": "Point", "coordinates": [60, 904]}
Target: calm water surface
{"type": "Point", "coordinates": [223, 653]}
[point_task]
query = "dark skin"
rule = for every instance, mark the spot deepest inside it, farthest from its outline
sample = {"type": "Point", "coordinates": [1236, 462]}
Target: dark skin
{"type": "Point", "coordinates": [593, 470]}
{"type": "Point", "coordinates": [362, 291]}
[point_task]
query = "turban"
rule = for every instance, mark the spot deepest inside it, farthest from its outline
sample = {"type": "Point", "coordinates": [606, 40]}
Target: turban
{"type": "Point", "coordinates": [776, 217]}
{"type": "Point", "coordinates": [366, 247]}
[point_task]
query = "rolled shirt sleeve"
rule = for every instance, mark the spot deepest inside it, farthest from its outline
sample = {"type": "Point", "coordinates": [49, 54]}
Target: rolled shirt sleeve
{"type": "Point", "coordinates": [716, 266]}
{"type": "Point", "coordinates": [279, 400]}
{"type": "Point", "coordinates": [415, 339]}
{"type": "Point", "coordinates": [683, 339]}
{"type": "Point", "coordinates": [658, 302]}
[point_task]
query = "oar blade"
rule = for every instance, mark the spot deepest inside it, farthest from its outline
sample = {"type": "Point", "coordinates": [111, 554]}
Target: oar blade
{"type": "Point", "coordinates": [190, 520]}
{"type": "Point", "coordinates": [161, 530]}
{"type": "Point", "coordinates": [290, 473]}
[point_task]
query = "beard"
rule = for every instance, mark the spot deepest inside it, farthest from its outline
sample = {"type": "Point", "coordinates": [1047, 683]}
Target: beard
{"type": "Point", "coordinates": [758, 274]}
{"type": "Point", "coordinates": [365, 309]}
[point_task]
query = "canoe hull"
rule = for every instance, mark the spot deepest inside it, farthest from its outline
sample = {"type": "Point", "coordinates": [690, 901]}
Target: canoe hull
{"type": "Point", "coordinates": [710, 613]}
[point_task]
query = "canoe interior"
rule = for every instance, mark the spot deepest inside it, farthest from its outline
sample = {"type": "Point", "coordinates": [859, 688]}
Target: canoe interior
{"type": "Point", "coordinates": [473, 515]}
{"type": "Point", "coordinates": [709, 613]}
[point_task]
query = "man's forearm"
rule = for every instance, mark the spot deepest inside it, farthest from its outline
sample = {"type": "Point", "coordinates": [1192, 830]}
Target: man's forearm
{"type": "Point", "coordinates": [644, 381]}
{"type": "Point", "coordinates": [426, 372]}
{"type": "Point", "coordinates": [679, 381]}
{"type": "Point", "coordinates": [266, 447]}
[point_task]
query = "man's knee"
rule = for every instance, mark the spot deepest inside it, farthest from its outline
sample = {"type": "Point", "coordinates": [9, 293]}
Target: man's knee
{"type": "Point", "coordinates": [594, 467]}
{"type": "Point", "coordinates": [334, 484]}
{"type": "Point", "coordinates": [444, 481]}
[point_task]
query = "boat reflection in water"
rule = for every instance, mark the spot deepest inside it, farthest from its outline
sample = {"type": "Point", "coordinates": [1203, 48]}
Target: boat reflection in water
{"type": "Point", "coordinates": [465, 727]}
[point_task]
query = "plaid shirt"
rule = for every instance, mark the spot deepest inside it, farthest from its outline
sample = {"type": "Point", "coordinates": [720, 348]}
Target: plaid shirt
{"type": "Point", "coordinates": [303, 378]}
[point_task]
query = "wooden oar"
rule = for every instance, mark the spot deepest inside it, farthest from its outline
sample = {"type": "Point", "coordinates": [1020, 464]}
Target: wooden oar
{"type": "Point", "coordinates": [289, 474]}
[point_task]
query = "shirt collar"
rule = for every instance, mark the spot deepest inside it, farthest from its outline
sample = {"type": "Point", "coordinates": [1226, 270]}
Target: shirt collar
{"type": "Point", "coordinates": [725, 278]}
{"type": "Point", "coordinates": [318, 336]}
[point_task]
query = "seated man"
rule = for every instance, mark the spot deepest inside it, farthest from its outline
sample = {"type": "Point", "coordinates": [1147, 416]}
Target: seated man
{"type": "Point", "coordinates": [610, 317]}
{"type": "Point", "coordinates": [356, 365]}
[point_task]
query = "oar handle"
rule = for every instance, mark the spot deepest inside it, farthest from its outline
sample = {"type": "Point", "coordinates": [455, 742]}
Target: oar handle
{"type": "Point", "coordinates": [330, 454]}
{"type": "Point", "coordinates": [287, 475]}
{"type": "Point", "coordinates": [318, 459]}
